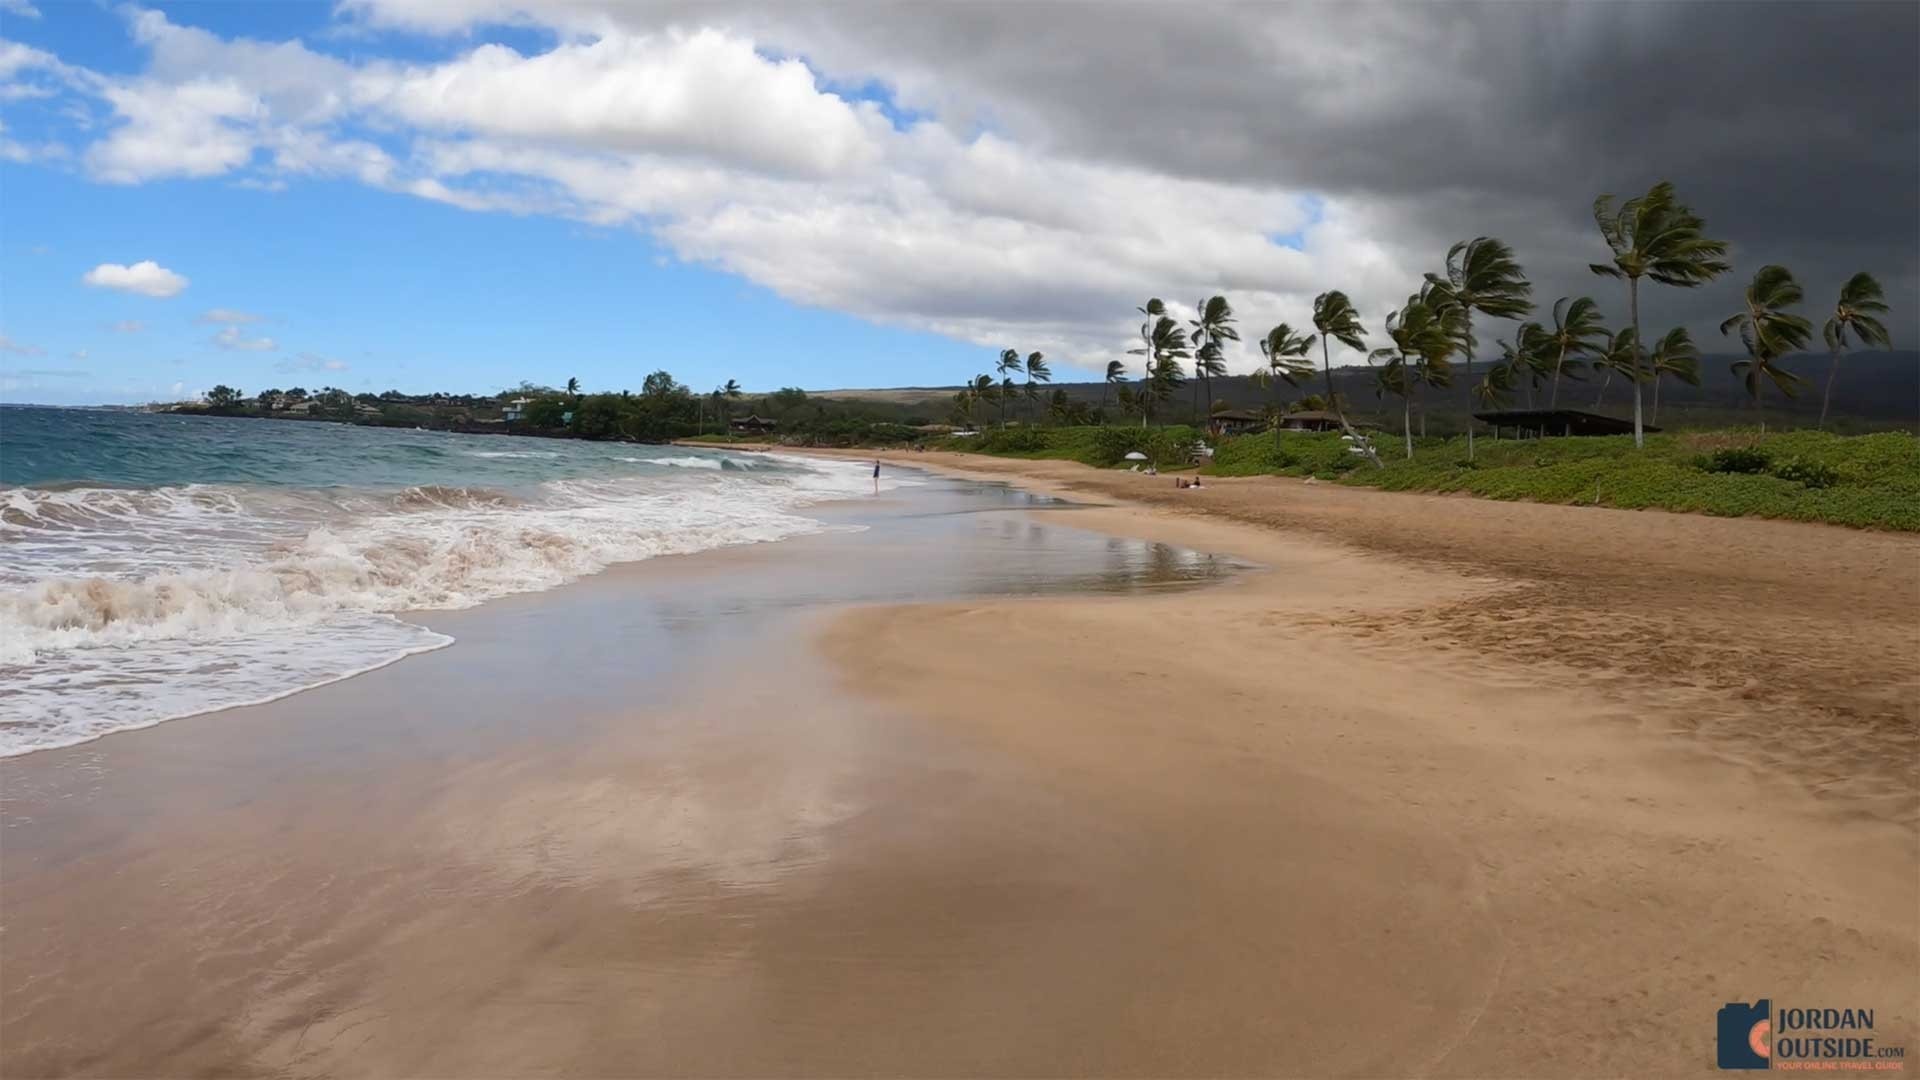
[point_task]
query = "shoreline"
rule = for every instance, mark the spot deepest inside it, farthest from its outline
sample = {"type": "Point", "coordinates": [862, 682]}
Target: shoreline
{"type": "Point", "coordinates": [1313, 818]}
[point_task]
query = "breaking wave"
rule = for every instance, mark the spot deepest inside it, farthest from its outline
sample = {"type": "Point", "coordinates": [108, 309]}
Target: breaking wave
{"type": "Point", "coordinates": [120, 607]}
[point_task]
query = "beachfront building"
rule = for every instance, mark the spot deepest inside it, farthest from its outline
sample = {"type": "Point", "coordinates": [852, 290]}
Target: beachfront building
{"type": "Point", "coordinates": [751, 424]}
{"type": "Point", "coordinates": [1310, 420]}
{"type": "Point", "coordinates": [1563, 422]}
{"type": "Point", "coordinates": [1235, 422]}
{"type": "Point", "coordinates": [515, 410]}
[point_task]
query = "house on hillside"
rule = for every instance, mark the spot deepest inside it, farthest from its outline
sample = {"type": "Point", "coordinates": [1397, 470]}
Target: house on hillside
{"type": "Point", "coordinates": [1235, 422]}
{"type": "Point", "coordinates": [515, 410]}
{"type": "Point", "coordinates": [1537, 423]}
{"type": "Point", "coordinates": [1310, 420]}
{"type": "Point", "coordinates": [752, 424]}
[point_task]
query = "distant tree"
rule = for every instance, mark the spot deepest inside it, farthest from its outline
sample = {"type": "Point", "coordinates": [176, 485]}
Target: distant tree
{"type": "Point", "coordinates": [1037, 372]}
{"type": "Point", "coordinates": [266, 397]}
{"type": "Point", "coordinates": [659, 384]}
{"type": "Point", "coordinates": [1285, 353]}
{"type": "Point", "coordinates": [1425, 332]}
{"type": "Point", "coordinates": [297, 394]}
{"type": "Point", "coordinates": [1673, 357]}
{"type": "Point", "coordinates": [223, 397]}
{"type": "Point", "coordinates": [1858, 313]}
{"type": "Point", "coordinates": [1481, 276]}
{"type": "Point", "coordinates": [573, 387]}
{"type": "Point", "coordinates": [1655, 236]}
{"type": "Point", "coordinates": [1336, 320]}
{"type": "Point", "coordinates": [1154, 309]}
{"type": "Point", "coordinates": [1525, 359]}
{"type": "Point", "coordinates": [1166, 347]}
{"type": "Point", "coordinates": [1115, 372]}
{"type": "Point", "coordinates": [1007, 367]}
{"type": "Point", "coordinates": [1576, 332]}
{"type": "Point", "coordinates": [1214, 326]}
{"type": "Point", "coordinates": [1769, 331]}
{"type": "Point", "coordinates": [1617, 357]}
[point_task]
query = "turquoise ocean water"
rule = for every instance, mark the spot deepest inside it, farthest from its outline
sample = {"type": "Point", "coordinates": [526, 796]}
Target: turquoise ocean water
{"type": "Point", "coordinates": [156, 566]}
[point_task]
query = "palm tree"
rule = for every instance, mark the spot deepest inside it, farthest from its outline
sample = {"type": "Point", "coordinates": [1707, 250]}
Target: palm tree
{"type": "Point", "coordinates": [1037, 371]}
{"type": "Point", "coordinates": [1335, 318]}
{"type": "Point", "coordinates": [1654, 235]}
{"type": "Point", "coordinates": [1617, 357]}
{"type": "Point", "coordinates": [1769, 332]}
{"type": "Point", "coordinates": [1285, 352]}
{"type": "Point", "coordinates": [981, 389]}
{"type": "Point", "coordinates": [1165, 346]}
{"type": "Point", "coordinates": [1115, 372]}
{"type": "Point", "coordinates": [1214, 326]}
{"type": "Point", "coordinates": [1576, 332]}
{"type": "Point", "coordinates": [1482, 276]}
{"type": "Point", "coordinates": [1861, 303]}
{"type": "Point", "coordinates": [1423, 337]}
{"type": "Point", "coordinates": [1496, 388]}
{"type": "Point", "coordinates": [573, 389]}
{"type": "Point", "coordinates": [1007, 367]}
{"type": "Point", "coordinates": [1525, 358]}
{"type": "Point", "coordinates": [1674, 355]}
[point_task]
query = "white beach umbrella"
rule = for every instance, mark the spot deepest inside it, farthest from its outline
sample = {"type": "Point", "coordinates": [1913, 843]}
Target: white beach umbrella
{"type": "Point", "coordinates": [1135, 455]}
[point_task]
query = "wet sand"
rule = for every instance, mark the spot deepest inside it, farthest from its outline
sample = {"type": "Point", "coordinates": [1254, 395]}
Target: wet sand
{"type": "Point", "coordinates": [1416, 796]}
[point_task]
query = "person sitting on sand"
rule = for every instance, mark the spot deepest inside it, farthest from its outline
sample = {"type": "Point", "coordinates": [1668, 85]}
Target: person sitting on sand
{"type": "Point", "coordinates": [1179, 481]}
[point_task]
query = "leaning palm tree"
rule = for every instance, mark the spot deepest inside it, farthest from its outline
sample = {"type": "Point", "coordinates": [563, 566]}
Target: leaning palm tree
{"type": "Point", "coordinates": [1482, 276]}
{"type": "Point", "coordinates": [1037, 372]}
{"type": "Point", "coordinates": [573, 388]}
{"type": "Point", "coordinates": [1423, 338]}
{"type": "Point", "coordinates": [1858, 312]}
{"type": "Point", "coordinates": [1006, 367]}
{"type": "Point", "coordinates": [1335, 319]}
{"type": "Point", "coordinates": [983, 391]}
{"type": "Point", "coordinates": [1286, 360]}
{"type": "Point", "coordinates": [1656, 236]}
{"type": "Point", "coordinates": [1214, 326]}
{"type": "Point", "coordinates": [1769, 332]}
{"type": "Point", "coordinates": [1616, 357]}
{"type": "Point", "coordinates": [1166, 346]}
{"type": "Point", "coordinates": [1115, 372]}
{"type": "Point", "coordinates": [1576, 332]}
{"type": "Point", "coordinates": [1524, 360]}
{"type": "Point", "coordinates": [1674, 356]}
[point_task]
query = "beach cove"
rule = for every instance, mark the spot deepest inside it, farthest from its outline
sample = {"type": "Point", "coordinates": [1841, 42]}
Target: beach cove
{"type": "Point", "coordinates": [1263, 779]}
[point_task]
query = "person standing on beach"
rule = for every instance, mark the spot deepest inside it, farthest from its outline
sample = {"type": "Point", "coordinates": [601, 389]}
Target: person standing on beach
{"type": "Point", "coordinates": [876, 476]}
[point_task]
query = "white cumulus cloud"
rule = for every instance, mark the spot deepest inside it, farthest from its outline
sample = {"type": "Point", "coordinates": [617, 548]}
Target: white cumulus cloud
{"type": "Point", "coordinates": [229, 316]}
{"type": "Point", "coordinates": [230, 338]}
{"type": "Point", "coordinates": [148, 278]}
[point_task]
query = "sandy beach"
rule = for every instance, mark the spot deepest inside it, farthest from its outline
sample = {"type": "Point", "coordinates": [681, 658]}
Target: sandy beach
{"type": "Point", "coordinates": [1266, 779]}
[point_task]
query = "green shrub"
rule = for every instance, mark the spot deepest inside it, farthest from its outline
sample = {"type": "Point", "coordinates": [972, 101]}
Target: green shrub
{"type": "Point", "coordinates": [1738, 459]}
{"type": "Point", "coordinates": [1813, 474]}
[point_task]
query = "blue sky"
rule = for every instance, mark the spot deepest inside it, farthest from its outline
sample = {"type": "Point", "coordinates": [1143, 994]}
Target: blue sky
{"type": "Point", "coordinates": [461, 194]}
{"type": "Point", "coordinates": [366, 288]}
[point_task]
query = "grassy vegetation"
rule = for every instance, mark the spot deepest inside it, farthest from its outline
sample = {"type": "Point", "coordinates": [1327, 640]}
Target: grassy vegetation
{"type": "Point", "coordinates": [1867, 481]}
{"type": "Point", "coordinates": [1102, 447]}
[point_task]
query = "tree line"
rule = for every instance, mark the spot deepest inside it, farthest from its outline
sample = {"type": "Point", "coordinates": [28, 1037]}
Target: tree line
{"type": "Point", "coordinates": [1652, 237]}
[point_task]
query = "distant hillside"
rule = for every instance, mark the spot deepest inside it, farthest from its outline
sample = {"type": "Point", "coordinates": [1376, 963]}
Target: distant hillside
{"type": "Point", "coordinates": [1876, 391]}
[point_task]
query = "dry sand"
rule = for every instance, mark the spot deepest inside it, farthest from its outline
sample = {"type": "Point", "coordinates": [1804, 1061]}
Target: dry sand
{"type": "Point", "coordinates": [1448, 788]}
{"type": "Point", "coordinates": [1652, 762]}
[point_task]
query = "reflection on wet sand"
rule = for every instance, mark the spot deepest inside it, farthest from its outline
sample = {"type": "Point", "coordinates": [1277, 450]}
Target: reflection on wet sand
{"type": "Point", "coordinates": [629, 827]}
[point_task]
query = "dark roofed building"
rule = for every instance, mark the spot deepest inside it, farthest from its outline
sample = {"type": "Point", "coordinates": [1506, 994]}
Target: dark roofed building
{"type": "Point", "coordinates": [1235, 422]}
{"type": "Point", "coordinates": [752, 425]}
{"type": "Point", "coordinates": [1558, 422]}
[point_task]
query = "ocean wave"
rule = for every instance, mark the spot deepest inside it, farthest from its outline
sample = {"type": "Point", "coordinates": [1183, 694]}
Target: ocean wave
{"type": "Point", "coordinates": [140, 604]}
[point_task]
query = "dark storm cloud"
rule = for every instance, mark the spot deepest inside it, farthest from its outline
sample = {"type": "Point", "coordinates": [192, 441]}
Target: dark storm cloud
{"type": "Point", "coordinates": [1793, 128]}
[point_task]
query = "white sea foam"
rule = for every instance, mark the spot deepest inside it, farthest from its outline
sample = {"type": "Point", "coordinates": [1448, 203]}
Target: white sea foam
{"type": "Point", "coordinates": [123, 608]}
